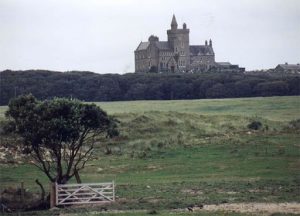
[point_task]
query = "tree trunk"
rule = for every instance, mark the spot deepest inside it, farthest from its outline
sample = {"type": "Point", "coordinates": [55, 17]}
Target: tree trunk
{"type": "Point", "coordinates": [42, 189]}
{"type": "Point", "coordinates": [77, 177]}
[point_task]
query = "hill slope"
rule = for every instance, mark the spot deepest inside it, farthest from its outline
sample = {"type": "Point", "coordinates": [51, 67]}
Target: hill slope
{"type": "Point", "coordinates": [179, 153]}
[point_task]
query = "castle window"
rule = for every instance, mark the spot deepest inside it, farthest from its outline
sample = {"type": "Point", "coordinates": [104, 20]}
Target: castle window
{"type": "Point", "coordinates": [176, 49]}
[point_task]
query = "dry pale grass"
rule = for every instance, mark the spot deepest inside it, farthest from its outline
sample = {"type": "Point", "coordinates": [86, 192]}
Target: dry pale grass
{"type": "Point", "coordinates": [262, 208]}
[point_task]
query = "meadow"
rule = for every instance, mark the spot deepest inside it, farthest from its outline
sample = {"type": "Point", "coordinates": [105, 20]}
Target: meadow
{"type": "Point", "coordinates": [174, 154]}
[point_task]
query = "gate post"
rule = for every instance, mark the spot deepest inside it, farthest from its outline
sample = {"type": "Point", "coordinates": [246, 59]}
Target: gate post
{"type": "Point", "coordinates": [113, 184]}
{"type": "Point", "coordinates": [52, 195]}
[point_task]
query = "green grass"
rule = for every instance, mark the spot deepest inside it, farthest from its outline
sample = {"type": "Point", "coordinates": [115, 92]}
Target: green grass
{"type": "Point", "coordinates": [171, 154]}
{"type": "Point", "coordinates": [273, 108]}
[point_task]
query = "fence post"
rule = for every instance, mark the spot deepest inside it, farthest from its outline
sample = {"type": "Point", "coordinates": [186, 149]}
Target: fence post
{"type": "Point", "coordinates": [113, 183]}
{"type": "Point", "coordinates": [56, 194]}
{"type": "Point", "coordinates": [52, 195]}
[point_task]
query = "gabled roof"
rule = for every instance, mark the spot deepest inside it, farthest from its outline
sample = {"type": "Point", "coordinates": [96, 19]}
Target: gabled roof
{"type": "Point", "coordinates": [161, 45]}
{"type": "Point", "coordinates": [201, 50]}
{"type": "Point", "coordinates": [290, 66]}
{"type": "Point", "coordinates": [143, 46]}
{"type": "Point", "coordinates": [171, 60]}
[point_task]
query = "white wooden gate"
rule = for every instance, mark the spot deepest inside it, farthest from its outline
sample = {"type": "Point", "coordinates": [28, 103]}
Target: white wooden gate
{"type": "Point", "coordinates": [69, 194]}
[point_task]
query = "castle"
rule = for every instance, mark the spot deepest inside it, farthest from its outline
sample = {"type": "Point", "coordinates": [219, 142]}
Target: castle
{"type": "Point", "coordinates": [176, 54]}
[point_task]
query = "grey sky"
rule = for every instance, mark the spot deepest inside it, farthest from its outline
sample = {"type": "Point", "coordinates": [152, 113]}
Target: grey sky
{"type": "Point", "coordinates": [101, 35]}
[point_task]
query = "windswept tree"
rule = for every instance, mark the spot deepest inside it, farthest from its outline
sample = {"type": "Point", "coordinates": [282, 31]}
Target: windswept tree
{"type": "Point", "coordinates": [58, 134]}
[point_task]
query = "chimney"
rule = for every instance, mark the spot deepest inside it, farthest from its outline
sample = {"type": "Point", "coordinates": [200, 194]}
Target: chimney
{"type": "Point", "coordinates": [205, 42]}
{"type": "Point", "coordinates": [286, 63]}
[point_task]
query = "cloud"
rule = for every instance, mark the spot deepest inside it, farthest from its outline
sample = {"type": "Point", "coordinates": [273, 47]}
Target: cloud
{"type": "Point", "coordinates": [102, 35]}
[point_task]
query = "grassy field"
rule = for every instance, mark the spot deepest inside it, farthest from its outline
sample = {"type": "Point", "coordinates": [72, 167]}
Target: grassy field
{"type": "Point", "coordinates": [172, 154]}
{"type": "Point", "coordinates": [274, 108]}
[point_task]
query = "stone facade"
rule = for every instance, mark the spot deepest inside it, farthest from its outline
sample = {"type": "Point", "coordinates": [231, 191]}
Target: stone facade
{"type": "Point", "coordinates": [288, 68]}
{"type": "Point", "coordinates": [174, 55]}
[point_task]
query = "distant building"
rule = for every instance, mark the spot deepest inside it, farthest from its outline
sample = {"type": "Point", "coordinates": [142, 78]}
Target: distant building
{"type": "Point", "coordinates": [226, 67]}
{"type": "Point", "coordinates": [174, 55]}
{"type": "Point", "coordinates": [288, 68]}
{"type": "Point", "coordinates": [177, 55]}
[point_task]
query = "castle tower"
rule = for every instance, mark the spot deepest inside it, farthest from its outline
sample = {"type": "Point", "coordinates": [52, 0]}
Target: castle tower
{"type": "Point", "coordinates": [178, 40]}
{"type": "Point", "coordinates": [174, 24]}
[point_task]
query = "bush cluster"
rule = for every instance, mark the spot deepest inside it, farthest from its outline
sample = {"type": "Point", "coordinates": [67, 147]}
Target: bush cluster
{"type": "Point", "coordinates": [89, 86]}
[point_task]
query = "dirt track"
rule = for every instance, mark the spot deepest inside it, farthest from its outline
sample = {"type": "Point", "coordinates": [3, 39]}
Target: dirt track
{"type": "Point", "coordinates": [252, 208]}
{"type": "Point", "coordinates": [267, 208]}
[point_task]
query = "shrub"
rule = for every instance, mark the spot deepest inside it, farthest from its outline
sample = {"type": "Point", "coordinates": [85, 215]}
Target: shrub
{"type": "Point", "coordinates": [295, 124]}
{"type": "Point", "coordinates": [255, 125]}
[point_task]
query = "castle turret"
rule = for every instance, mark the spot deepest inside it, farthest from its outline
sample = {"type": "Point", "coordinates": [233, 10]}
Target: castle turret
{"type": "Point", "coordinates": [210, 42]}
{"type": "Point", "coordinates": [153, 38]}
{"type": "Point", "coordinates": [178, 40]}
{"type": "Point", "coordinates": [174, 23]}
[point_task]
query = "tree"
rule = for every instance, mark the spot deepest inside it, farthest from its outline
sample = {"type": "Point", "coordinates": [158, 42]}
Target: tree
{"type": "Point", "coordinates": [218, 90]}
{"type": "Point", "coordinates": [58, 134]}
{"type": "Point", "coordinates": [272, 88]}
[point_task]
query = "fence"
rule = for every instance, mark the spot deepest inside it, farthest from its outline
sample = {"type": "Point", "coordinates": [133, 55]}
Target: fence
{"type": "Point", "coordinates": [70, 194]}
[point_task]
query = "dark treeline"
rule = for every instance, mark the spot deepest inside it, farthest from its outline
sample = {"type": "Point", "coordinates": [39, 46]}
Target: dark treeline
{"type": "Point", "coordinates": [88, 86]}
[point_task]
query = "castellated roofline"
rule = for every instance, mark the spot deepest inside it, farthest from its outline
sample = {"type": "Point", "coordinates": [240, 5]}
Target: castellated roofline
{"type": "Point", "coordinates": [180, 31]}
{"type": "Point", "coordinates": [174, 27]}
